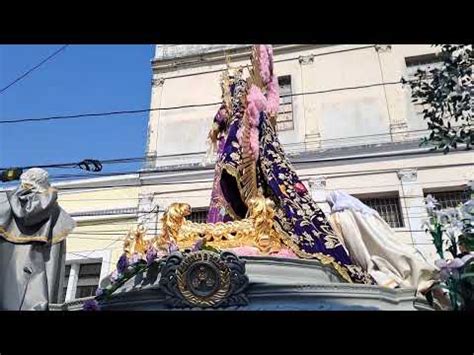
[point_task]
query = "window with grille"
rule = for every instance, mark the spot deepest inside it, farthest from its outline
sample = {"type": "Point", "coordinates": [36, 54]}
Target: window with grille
{"type": "Point", "coordinates": [285, 114]}
{"type": "Point", "coordinates": [423, 62]}
{"type": "Point", "coordinates": [450, 199]}
{"type": "Point", "coordinates": [85, 280]}
{"type": "Point", "coordinates": [388, 208]}
{"type": "Point", "coordinates": [198, 215]}
{"type": "Point", "coordinates": [88, 280]}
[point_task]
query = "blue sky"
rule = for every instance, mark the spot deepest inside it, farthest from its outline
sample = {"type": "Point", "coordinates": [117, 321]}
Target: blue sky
{"type": "Point", "coordinates": [81, 79]}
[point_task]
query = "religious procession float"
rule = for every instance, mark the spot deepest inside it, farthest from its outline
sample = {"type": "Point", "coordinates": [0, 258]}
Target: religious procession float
{"type": "Point", "coordinates": [266, 244]}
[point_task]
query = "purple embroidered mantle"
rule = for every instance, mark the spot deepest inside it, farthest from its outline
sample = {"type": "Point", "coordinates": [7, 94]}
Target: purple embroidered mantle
{"type": "Point", "coordinates": [301, 224]}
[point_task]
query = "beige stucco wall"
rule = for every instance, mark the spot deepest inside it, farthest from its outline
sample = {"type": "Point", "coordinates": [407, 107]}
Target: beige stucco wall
{"type": "Point", "coordinates": [102, 232]}
{"type": "Point", "coordinates": [326, 118]}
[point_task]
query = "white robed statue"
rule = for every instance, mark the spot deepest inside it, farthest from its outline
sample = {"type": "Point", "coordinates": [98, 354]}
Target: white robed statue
{"type": "Point", "coordinates": [373, 245]}
{"type": "Point", "coordinates": [33, 230]}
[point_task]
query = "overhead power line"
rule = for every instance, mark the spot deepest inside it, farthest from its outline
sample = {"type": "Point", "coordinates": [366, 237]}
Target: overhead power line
{"type": "Point", "coordinates": [12, 174]}
{"type": "Point", "coordinates": [179, 195]}
{"type": "Point", "coordinates": [24, 75]}
{"type": "Point", "coordinates": [303, 162]}
{"type": "Point", "coordinates": [180, 107]}
{"type": "Point", "coordinates": [152, 158]}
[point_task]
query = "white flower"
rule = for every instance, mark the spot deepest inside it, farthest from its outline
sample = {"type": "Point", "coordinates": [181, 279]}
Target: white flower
{"type": "Point", "coordinates": [453, 213]}
{"type": "Point", "coordinates": [467, 209]}
{"type": "Point", "coordinates": [431, 203]}
{"type": "Point", "coordinates": [441, 216]}
{"type": "Point", "coordinates": [427, 225]}
{"type": "Point", "coordinates": [470, 184]}
{"type": "Point", "coordinates": [452, 234]}
{"type": "Point", "coordinates": [457, 224]}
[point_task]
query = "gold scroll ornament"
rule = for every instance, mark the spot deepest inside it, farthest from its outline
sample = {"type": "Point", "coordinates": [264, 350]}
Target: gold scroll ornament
{"type": "Point", "coordinates": [257, 230]}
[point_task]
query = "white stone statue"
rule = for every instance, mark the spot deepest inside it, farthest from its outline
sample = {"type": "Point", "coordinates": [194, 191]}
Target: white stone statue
{"type": "Point", "coordinates": [374, 246]}
{"type": "Point", "coordinates": [33, 230]}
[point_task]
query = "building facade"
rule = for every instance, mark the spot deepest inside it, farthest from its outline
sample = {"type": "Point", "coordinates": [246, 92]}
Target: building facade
{"type": "Point", "coordinates": [345, 119]}
{"type": "Point", "coordinates": [104, 210]}
{"type": "Point", "coordinates": [346, 122]}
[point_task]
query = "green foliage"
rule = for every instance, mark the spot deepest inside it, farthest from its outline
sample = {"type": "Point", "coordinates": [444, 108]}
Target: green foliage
{"type": "Point", "coordinates": [454, 228]}
{"type": "Point", "coordinates": [445, 93]}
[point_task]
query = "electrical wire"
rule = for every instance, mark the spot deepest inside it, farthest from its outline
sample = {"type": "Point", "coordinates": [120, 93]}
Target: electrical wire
{"type": "Point", "coordinates": [180, 107]}
{"type": "Point", "coordinates": [150, 158]}
{"type": "Point", "coordinates": [328, 175]}
{"type": "Point", "coordinates": [28, 72]}
{"type": "Point", "coordinates": [208, 194]}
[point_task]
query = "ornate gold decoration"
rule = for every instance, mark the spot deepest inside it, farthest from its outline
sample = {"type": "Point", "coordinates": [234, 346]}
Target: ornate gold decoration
{"type": "Point", "coordinates": [257, 230]}
{"type": "Point", "coordinates": [255, 77]}
{"type": "Point", "coordinates": [227, 79]}
{"type": "Point", "coordinates": [203, 279]}
{"type": "Point", "coordinates": [135, 242]}
{"type": "Point", "coordinates": [226, 87]}
{"type": "Point", "coordinates": [322, 258]}
{"type": "Point", "coordinates": [248, 168]}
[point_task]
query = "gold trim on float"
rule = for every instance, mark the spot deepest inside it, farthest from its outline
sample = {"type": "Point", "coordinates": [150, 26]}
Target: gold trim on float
{"type": "Point", "coordinates": [255, 231]}
{"type": "Point", "coordinates": [259, 230]}
{"type": "Point", "coordinates": [323, 258]}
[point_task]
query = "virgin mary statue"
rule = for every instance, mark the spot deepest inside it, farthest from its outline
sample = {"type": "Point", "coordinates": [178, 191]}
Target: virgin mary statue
{"type": "Point", "coordinates": [33, 229]}
{"type": "Point", "coordinates": [251, 162]}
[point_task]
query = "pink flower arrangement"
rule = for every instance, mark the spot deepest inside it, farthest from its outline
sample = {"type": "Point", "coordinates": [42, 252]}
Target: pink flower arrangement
{"type": "Point", "coordinates": [273, 97]}
{"type": "Point", "coordinates": [286, 253]}
{"type": "Point", "coordinates": [252, 251]}
{"type": "Point", "coordinates": [265, 59]}
{"type": "Point", "coordinates": [257, 102]}
{"type": "Point", "coordinates": [270, 55]}
{"type": "Point", "coordinates": [245, 251]}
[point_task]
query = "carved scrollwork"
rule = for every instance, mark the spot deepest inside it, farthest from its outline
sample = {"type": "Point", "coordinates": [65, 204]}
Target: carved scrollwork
{"type": "Point", "coordinates": [238, 279]}
{"type": "Point", "coordinates": [168, 280]}
{"type": "Point", "coordinates": [256, 231]}
{"type": "Point", "coordinates": [204, 279]}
